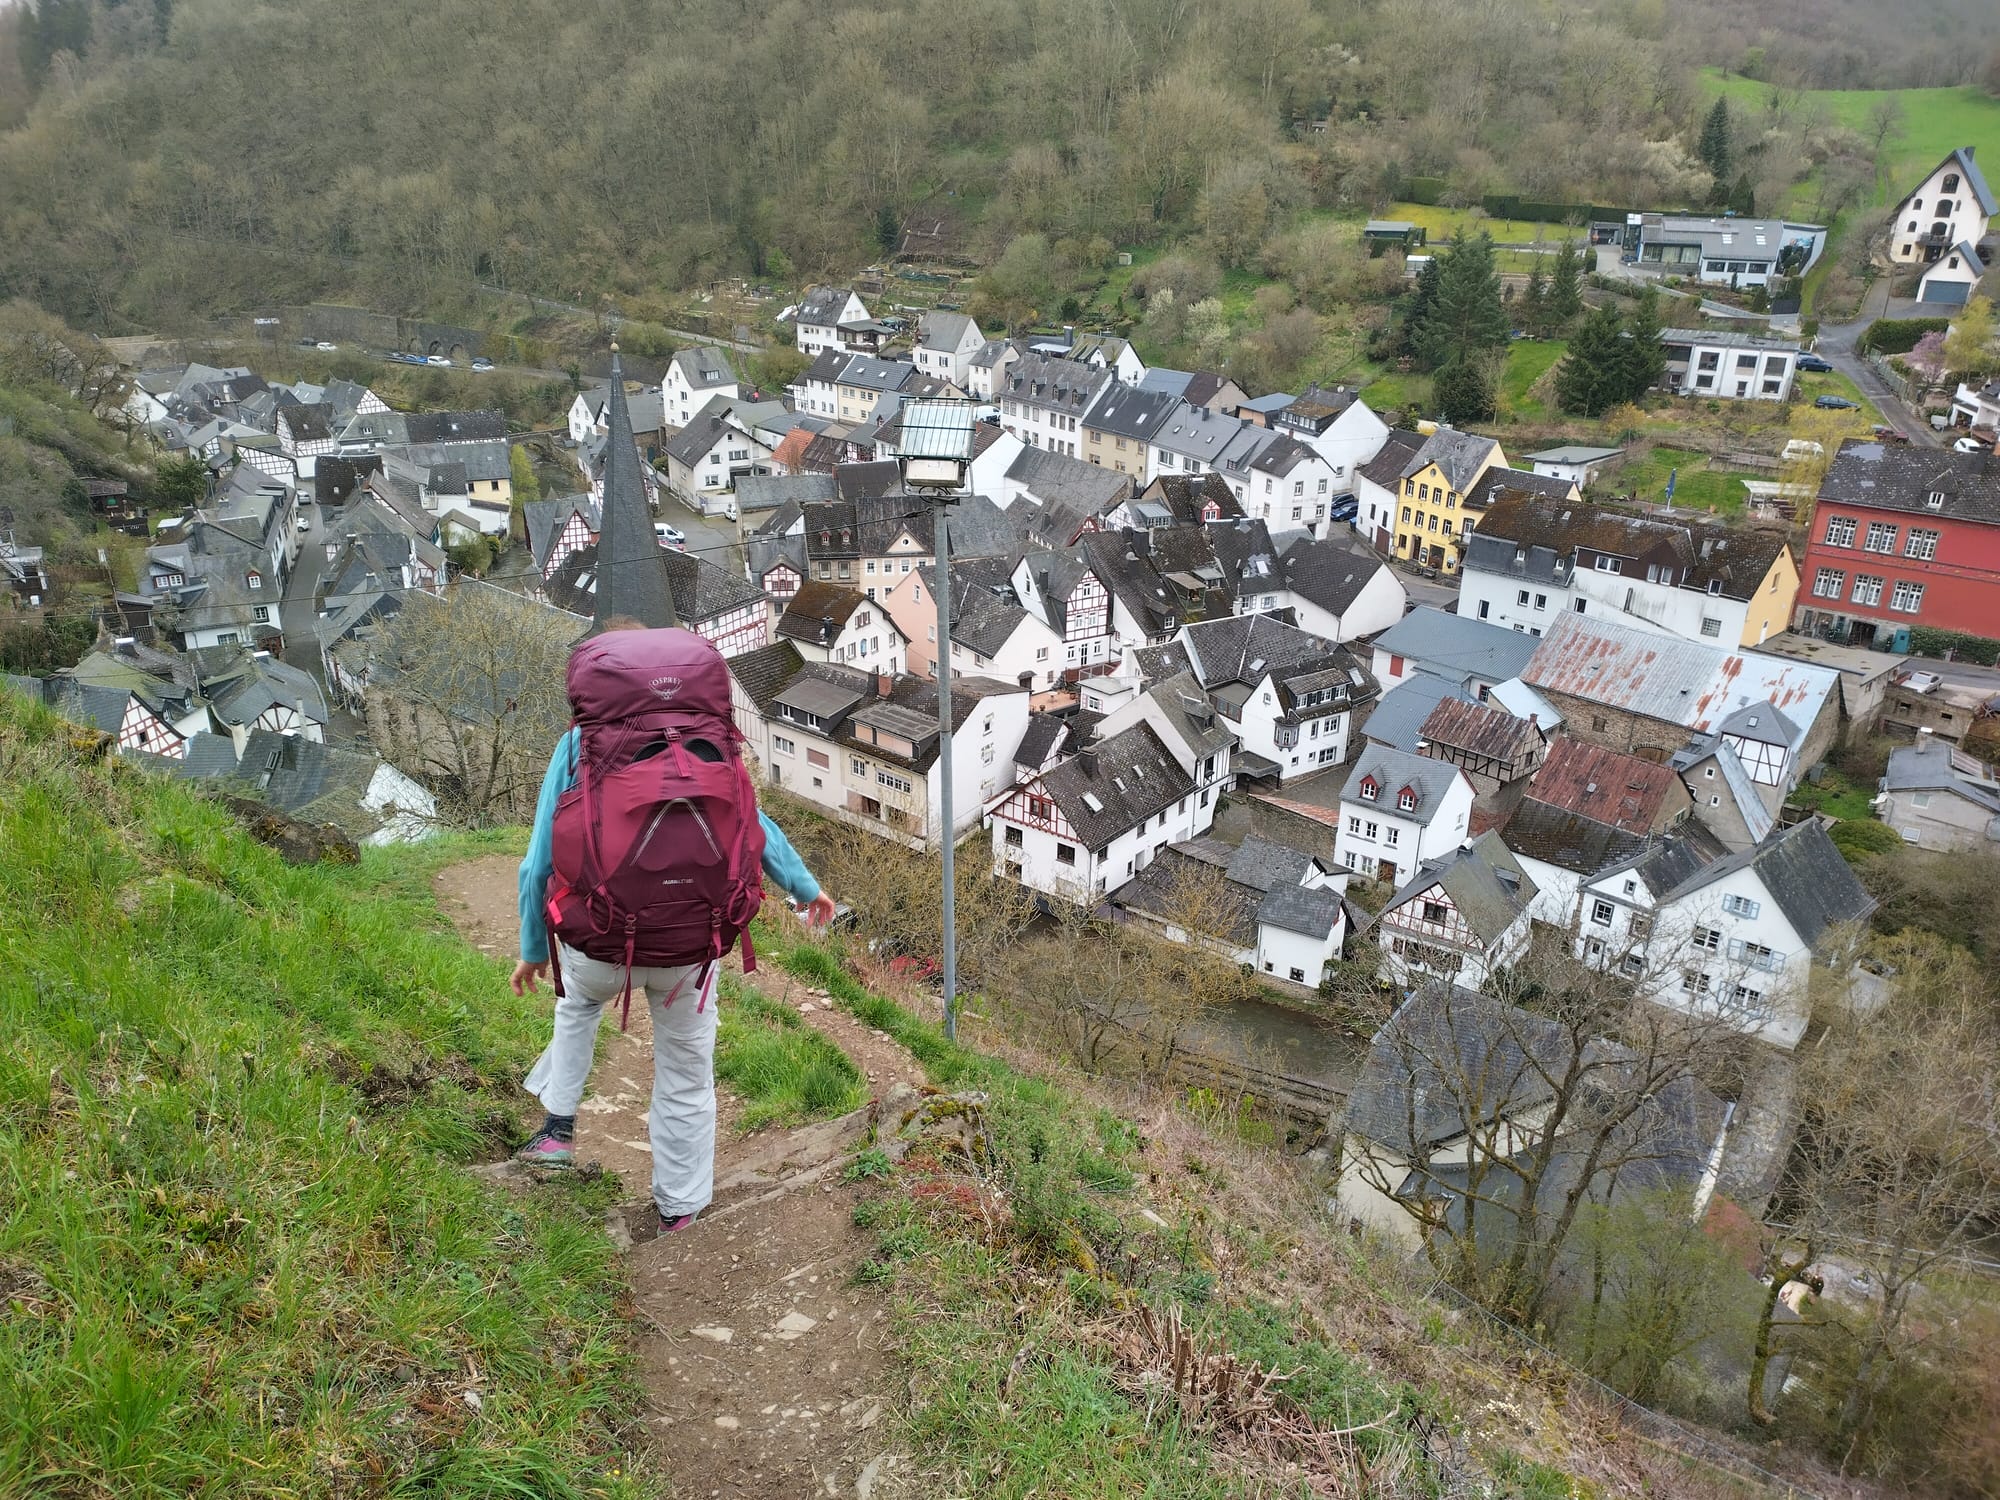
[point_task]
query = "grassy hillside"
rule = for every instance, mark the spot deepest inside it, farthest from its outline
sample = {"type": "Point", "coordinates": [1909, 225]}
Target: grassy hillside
{"type": "Point", "coordinates": [238, 1249]}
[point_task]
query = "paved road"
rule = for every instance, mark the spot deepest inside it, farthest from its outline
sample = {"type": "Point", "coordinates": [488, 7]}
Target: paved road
{"type": "Point", "coordinates": [1837, 343]}
{"type": "Point", "coordinates": [296, 615]}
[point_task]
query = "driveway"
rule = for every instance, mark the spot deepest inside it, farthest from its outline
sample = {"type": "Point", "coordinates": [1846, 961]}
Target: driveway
{"type": "Point", "coordinates": [1836, 344]}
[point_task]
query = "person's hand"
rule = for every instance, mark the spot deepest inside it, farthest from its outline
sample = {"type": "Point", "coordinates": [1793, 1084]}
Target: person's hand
{"type": "Point", "coordinates": [819, 911]}
{"type": "Point", "coordinates": [525, 975]}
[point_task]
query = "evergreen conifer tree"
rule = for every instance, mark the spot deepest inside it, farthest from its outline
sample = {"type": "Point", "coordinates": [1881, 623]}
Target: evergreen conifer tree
{"type": "Point", "coordinates": [1535, 299]}
{"type": "Point", "coordinates": [1714, 148]}
{"type": "Point", "coordinates": [1593, 376]}
{"type": "Point", "coordinates": [1743, 197]}
{"type": "Point", "coordinates": [1565, 288]}
{"type": "Point", "coordinates": [1644, 360]}
{"type": "Point", "coordinates": [1423, 296]}
{"type": "Point", "coordinates": [1466, 315]}
{"type": "Point", "coordinates": [1463, 393]}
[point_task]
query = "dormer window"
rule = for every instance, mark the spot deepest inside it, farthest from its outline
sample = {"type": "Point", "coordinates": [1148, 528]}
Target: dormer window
{"type": "Point", "coordinates": [826, 539]}
{"type": "Point", "coordinates": [1934, 500]}
{"type": "Point", "coordinates": [254, 580]}
{"type": "Point", "coordinates": [1406, 800]}
{"type": "Point", "coordinates": [1370, 789]}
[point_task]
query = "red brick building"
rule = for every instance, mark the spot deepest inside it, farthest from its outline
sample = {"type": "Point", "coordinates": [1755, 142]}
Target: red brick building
{"type": "Point", "coordinates": [1902, 536]}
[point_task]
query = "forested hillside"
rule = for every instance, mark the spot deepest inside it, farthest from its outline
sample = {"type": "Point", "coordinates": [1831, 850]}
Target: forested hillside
{"type": "Point", "coordinates": [180, 156]}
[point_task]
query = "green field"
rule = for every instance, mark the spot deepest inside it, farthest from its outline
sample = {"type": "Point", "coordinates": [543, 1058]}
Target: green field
{"type": "Point", "coordinates": [1527, 361]}
{"type": "Point", "coordinates": [1935, 122]}
{"type": "Point", "coordinates": [1700, 484]}
{"type": "Point", "coordinates": [1446, 224]}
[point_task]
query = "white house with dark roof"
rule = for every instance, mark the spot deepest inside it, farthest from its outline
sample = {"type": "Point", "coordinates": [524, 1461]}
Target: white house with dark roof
{"type": "Point", "coordinates": [1723, 250]}
{"type": "Point", "coordinates": [826, 310]}
{"type": "Point", "coordinates": [1182, 714]}
{"type": "Point", "coordinates": [946, 342]}
{"type": "Point", "coordinates": [1727, 936]}
{"type": "Point", "coordinates": [1950, 208]}
{"type": "Point", "coordinates": [1579, 463]}
{"type": "Point", "coordinates": [1337, 591]}
{"type": "Point", "coordinates": [1275, 908]}
{"type": "Point", "coordinates": [986, 369]}
{"type": "Point", "coordinates": [1951, 279]}
{"type": "Point", "coordinates": [707, 457]}
{"type": "Point", "coordinates": [1398, 810]}
{"type": "Point", "coordinates": [1084, 827]}
{"type": "Point", "coordinates": [1337, 425]}
{"type": "Point", "coordinates": [1938, 797]}
{"type": "Point", "coordinates": [830, 623]}
{"type": "Point", "coordinates": [1728, 363]}
{"type": "Point", "coordinates": [991, 634]}
{"type": "Point", "coordinates": [1378, 487]}
{"type": "Point", "coordinates": [1469, 652]}
{"type": "Point", "coordinates": [695, 376]}
{"type": "Point", "coordinates": [1044, 398]}
{"type": "Point", "coordinates": [1461, 917]}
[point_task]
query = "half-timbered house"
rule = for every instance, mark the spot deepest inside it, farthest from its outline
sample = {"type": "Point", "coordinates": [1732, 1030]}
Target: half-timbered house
{"type": "Point", "coordinates": [1460, 917]}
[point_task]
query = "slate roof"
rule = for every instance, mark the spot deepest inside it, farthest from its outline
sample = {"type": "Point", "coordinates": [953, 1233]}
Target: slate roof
{"type": "Point", "coordinates": [308, 424]}
{"type": "Point", "coordinates": [866, 372]}
{"type": "Point", "coordinates": [1186, 495]}
{"type": "Point", "coordinates": [1395, 769]}
{"type": "Point", "coordinates": [823, 305]}
{"type": "Point", "coordinates": [1292, 908]}
{"type": "Point", "coordinates": [1678, 861]}
{"type": "Point", "coordinates": [1621, 790]}
{"type": "Point", "coordinates": [313, 782]}
{"type": "Point", "coordinates": [868, 480]}
{"type": "Point", "coordinates": [981, 620]}
{"type": "Point", "coordinates": [628, 564]}
{"type": "Point", "coordinates": [1131, 411]}
{"type": "Point", "coordinates": [819, 611]}
{"type": "Point", "coordinates": [1198, 433]}
{"type": "Point", "coordinates": [1454, 646]}
{"type": "Point", "coordinates": [546, 518]}
{"type": "Point", "coordinates": [1187, 708]}
{"type": "Point", "coordinates": [1054, 383]}
{"type": "Point", "coordinates": [1567, 840]}
{"type": "Point", "coordinates": [248, 685]}
{"type": "Point", "coordinates": [826, 366]}
{"type": "Point", "coordinates": [1130, 577]}
{"type": "Point", "coordinates": [207, 757]}
{"type": "Point", "coordinates": [1116, 785]}
{"type": "Point", "coordinates": [1757, 819]}
{"type": "Point", "coordinates": [1450, 1059]}
{"type": "Point", "coordinates": [764, 672]}
{"type": "Point", "coordinates": [1458, 456]}
{"type": "Point", "coordinates": [1487, 888]}
{"type": "Point", "coordinates": [1042, 737]}
{"type": "Point", "coordinates": [1058, 479]}
{"type": "Point", "coordinates": [1550, 529]}
{"type": "Point", "coordinates": [1397, 450]}
{"type": "Point", "coordinates": [703, 366]}
{"type": "Point", "coordinates": [778, 491]}
{"type": "Point", "coordinates": [456, 426]}
{"type": "Point", "coordinates": [1669, 679]}
{"type": "Point", "coordinates": [1479, 730]}
{"type": "Point", "coordinates": [1245, 648]}
{"type": "Point", "coordinates": [1327, 574]}
{"type": "Point", "coordinates": [942, 330]}
{"type": "Point", "coordinates": [1398, 720]}
{"type": "Point", "coordinates": [1902, 477]}
{"type": "Point", "coordinates": [1804, 872]}
{"type": "Point", "coordinates": [1266, 865]}
{"type": "Point", "coordinates": [704, 430]}
{"type": "Point", "coordinates": [1498, 484]}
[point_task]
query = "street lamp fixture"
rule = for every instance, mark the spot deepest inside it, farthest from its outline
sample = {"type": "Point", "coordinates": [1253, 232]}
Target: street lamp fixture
{"type": "Point", "coordinates": [936, 455]}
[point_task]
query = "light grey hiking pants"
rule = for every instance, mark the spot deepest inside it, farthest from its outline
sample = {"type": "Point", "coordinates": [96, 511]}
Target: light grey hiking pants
{"type": "Point", "coordinates": [681, 1126]}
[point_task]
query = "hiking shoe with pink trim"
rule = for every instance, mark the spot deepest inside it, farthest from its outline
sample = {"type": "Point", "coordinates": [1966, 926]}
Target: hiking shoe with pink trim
{"type": "Point", "coordinates": [547, 1150]}
{"type": "Point", "coordinates": [668, 1224]}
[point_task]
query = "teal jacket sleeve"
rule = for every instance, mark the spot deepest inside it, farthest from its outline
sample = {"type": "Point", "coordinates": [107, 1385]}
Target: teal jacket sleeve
{"type": "Point", "coordinates": [781, 861]}
{"type": "Point", "coordinates": [539, 860]}
{"type": "Point", "coordinates": [783, 865]}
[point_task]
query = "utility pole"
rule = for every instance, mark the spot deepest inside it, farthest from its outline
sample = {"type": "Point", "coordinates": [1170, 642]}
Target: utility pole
{"type": "Point", "coordinates": [936, 456]}
{"type": "Point", "coordinates": [941, 661]}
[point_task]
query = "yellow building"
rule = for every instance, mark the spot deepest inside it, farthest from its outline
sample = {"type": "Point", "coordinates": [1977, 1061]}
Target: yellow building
{"type": "Point", "coordinates": [1432, 510]}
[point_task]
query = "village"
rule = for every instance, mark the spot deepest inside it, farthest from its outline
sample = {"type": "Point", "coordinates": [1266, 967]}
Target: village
{"type": "Point", "coordinates": [1354, 702]}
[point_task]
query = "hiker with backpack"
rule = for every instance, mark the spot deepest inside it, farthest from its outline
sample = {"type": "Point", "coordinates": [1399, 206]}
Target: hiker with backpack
{"type": "Point", "coordinates": [644, 867]}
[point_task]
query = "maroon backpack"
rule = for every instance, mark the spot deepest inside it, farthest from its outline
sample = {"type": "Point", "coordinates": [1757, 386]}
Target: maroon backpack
{"type": "Point", "coordinates": [657, 850]}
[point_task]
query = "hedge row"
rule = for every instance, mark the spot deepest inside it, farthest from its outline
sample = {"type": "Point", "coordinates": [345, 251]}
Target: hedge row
{"type": "Point", "coordinates": [1927, 640]}
{"type": "Point", "coordinates": [1899, 335]}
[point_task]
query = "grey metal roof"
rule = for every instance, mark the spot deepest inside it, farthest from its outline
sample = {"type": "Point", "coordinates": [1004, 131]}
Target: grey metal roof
{"type": "Point", "coordinates": [1669, 679]}
{"type": "Point", "coordinates": [1399, 717]}
{"type": "Point", "coordinates": [1934, 766]}
{"type": "Point", "coordinates": [1728, 338]}
{"type": "Point", "coordinates": [1453, 646]}
{"type": "Point", "coordinates": [1392, 771]}
{"type": "Point", "coordinates": [1572, 453]}
{"type": "Point", "coordinates": [823, 700]}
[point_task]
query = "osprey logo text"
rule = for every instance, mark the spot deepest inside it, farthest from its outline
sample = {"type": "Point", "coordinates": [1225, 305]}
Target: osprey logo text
{"type": "Point", "coordinates": [665, 687]}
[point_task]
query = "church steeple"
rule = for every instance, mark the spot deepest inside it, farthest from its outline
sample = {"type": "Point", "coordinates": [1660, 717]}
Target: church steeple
{"type": "Point", "coordinates": [631, 565]}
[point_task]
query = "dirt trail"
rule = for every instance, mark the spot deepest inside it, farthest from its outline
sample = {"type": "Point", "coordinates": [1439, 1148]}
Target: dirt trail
{"type": "Point", "coordinates": [761, 1361]}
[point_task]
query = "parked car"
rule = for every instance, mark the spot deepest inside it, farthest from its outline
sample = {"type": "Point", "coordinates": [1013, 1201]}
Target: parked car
{"type": "Point", "coordinates": [1883, 433]}
{"type": "Point", "coordinates": [305, 523]}
{"type": "Point", "coordinates": [1816, 363]}
{"type": "Point", "coordinates": [1346, 508]}
{"type": "Point", "coordinates": [326, 348]}
{"type": "Point", "coordinates": [482, 363]}
{"type": "Point", "coordinates": [1971, 445]}
{"type": "Point", "coordinates": [439, 362]}
{"type": "Point", "coordinates": [670, 536]}
{"type": "Point", "coordinates": [1836, 403]}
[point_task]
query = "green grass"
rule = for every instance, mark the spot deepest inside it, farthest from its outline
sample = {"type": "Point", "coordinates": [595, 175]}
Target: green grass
{"type": "Point", "coordinates": [237, 1099]}
{"type": "Point", "coordinates": [785, 1072]}
{"type": "Point", "coordinates": [1528, 360]}
{"type": "Point", "coordinates": [1443, 225]}
{"type": "Point", "coordinates": [1811, 386]}
{"type": "Point", "coordinates": [1935, 123]}
{"type": "Point", "coordinates": [1700, 485]}
{"type": "Point", "coordinates": [1835, 795]}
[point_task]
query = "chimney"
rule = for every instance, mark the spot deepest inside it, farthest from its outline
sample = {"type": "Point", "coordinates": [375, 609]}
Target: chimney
{"type": "Point", "coordinates": [883, 683]}
{"type": "Point", "coordinates": [1087, 759]}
